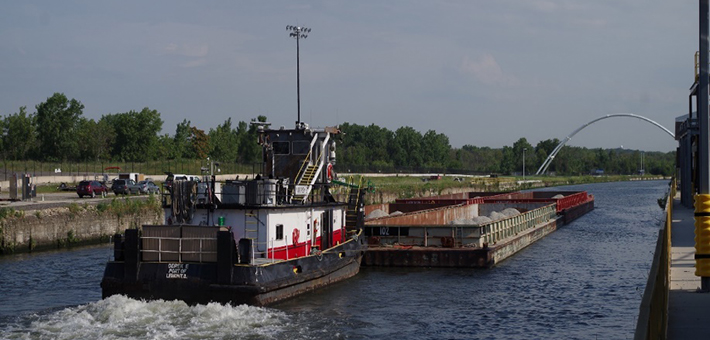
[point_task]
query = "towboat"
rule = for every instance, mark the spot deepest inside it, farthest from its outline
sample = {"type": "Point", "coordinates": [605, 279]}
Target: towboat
{"type": "Point", "coordinates": [253, 241]}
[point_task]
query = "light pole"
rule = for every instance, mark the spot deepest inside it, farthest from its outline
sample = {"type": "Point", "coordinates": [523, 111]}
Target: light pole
{"type": "Point", "coordinates": [524, 149]}
{"type": "Point", "coordinates": [298, 33]}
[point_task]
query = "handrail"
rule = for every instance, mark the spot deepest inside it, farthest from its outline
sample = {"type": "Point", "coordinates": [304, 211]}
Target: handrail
{"type": "Point", "coordinates": [498, 230]}
{"type": "Point", "coordinates": [180, 251]}
{"type": "Point", "coordinates": [302, 171]}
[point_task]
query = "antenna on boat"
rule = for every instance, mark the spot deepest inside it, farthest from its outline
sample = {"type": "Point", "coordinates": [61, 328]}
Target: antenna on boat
{"type": "Point", "coordinates": [298, 32]}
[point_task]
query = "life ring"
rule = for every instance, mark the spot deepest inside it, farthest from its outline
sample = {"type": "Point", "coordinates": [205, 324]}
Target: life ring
{"type": "Point", "coordinates": [330, 171]}
{"type": "Point", "coordinates": [295, 235]}
{"type": "Point", "coordinates": [315, 227]}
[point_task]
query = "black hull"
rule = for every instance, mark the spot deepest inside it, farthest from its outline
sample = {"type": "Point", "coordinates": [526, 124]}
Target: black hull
{"type": "Point", "coordinates": [199, 283]}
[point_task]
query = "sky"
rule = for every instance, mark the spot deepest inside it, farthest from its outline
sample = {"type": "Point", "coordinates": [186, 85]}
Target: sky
{"type": "Point", "coordinates": [482, 72]}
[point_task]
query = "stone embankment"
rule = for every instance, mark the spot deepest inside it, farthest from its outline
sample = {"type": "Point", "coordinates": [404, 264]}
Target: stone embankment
{"type": "Point", "coordinates": [43, 228]}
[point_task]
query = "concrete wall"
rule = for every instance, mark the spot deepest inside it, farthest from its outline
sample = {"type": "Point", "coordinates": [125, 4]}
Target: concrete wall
{"type": "Point", "coordinates": [33, 230]}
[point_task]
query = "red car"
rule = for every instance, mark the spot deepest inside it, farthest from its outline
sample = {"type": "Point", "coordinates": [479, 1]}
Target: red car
{"type": "Point", "coordinates": [91, 188]}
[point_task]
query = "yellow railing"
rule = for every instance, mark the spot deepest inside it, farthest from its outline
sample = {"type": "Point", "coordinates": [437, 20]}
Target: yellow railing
{"type": "Point", "coordinates": [301, 171]}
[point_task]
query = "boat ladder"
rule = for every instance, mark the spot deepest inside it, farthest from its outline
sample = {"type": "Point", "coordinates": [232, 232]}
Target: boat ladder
{"type": "Point", "coordinates": [309, 171]}
{"type": "Point", "coordinates": [355, 204]}
{"type": "Point", "coordinates": [252, 224]}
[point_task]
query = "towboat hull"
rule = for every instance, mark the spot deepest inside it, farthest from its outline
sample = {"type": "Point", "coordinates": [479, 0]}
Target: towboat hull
{"type": "Point", "coordinates": [259, 285]}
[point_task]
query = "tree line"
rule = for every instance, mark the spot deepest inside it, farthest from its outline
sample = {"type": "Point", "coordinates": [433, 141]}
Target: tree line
{"type": "Point", "coordinates": [372, 148]}
{"type": "Point", "coordinates": [57, 131]}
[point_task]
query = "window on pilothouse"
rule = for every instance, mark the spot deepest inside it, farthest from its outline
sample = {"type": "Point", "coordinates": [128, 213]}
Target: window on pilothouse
{"type": "Point", "coordinates": [279, 231]}
{"type": "Point", "coordinates": [301, 147]}
{"type": "Point", "coordinates": [281, 148]}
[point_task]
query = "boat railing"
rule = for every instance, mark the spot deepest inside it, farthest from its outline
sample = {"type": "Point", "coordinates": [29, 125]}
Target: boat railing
{"type": "Point", "coordinates": [257, 254]}
{"type": "Point", "coordinates": [499, 230]}
{"type": "Point", "coordinates": [460, 235]}
{"type": "Point", "coordinates": [307, 160]}
{"type": "Point", "coordinates": [572, 200]}
{"type": "Point", "coordinates": [178, 249]}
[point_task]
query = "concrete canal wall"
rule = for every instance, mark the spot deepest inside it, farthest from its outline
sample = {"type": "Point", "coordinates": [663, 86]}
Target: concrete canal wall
{"type": "Point", "coordinates": [34, 230]}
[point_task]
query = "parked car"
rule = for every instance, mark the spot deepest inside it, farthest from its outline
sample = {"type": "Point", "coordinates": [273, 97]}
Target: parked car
{"type": "Point", "coordinates": [125, 187]}
{"type": "Point", "coordinates": [178, 177]}
{"type": "Point", "coordinates": [148, 187]}
{"type": "Point", "coordinates": [91, 188]}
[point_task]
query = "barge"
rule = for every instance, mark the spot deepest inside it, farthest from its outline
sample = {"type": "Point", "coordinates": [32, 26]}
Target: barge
{"type": "Point", "coordinates": [256, 241]}
{"type": "Point", "coordinates": [471, 229]}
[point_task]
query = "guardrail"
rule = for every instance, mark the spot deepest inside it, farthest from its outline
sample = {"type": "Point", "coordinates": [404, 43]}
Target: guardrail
{"type": "Point", "coordinates": [653, 313]}
{"type": "Point", "coordinates": [499, 230]}
{"type": "Point", "coordinates": [562, 203]}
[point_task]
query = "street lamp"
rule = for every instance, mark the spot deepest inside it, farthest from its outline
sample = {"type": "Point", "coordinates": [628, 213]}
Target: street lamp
{"type": "Point", "coordinates": [298, 33]}
{"type": "Point", "coordinates": [524, 149]}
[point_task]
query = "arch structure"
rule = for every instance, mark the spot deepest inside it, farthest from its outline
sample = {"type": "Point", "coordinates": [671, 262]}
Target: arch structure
{"type": "Point", "coordinates": [554, 152]}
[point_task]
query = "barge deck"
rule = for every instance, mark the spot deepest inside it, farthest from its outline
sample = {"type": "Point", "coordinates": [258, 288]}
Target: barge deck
{"type": "Point", "coordinates": [455, 230]}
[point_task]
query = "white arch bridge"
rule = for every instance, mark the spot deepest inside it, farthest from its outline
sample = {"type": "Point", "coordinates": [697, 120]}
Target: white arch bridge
{"type": "Point", "coordinates": [554, 152]}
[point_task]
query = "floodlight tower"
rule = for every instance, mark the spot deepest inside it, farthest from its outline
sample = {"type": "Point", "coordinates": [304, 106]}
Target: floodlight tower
{"type": "Point", "coordinates": [298, 32]}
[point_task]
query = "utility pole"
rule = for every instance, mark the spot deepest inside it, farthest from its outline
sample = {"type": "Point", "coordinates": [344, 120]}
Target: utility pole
{"type": "Point", "coordinates": [524, 149]}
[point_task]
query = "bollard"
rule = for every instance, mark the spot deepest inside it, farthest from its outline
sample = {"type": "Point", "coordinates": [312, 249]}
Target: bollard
{"type": "Point", "coordinates": [702, 240]}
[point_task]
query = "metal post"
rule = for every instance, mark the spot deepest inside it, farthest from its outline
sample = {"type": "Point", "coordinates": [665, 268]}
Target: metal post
{"type": "Point", "coordinates": [298, 78]}
{"type": "Point", "coordinates": [702, 97]}
{"type": "Point", "coordinates": [524, 149]}
{"type": "Point", "coordinates": [298, 33]}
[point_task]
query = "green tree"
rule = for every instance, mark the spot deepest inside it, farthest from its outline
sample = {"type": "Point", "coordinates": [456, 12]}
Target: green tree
{"type": "Point", "coordinates": [249, 149]}
{"type": "Point", "coordinates": [97, 139]}
{"type": "Point", "coordinates": [224, 142]}
{"type": "Point", "coordinates": [436, 149]}
{"type": "Point", "coordinates": [529, 153]}
{"type": "Point", "coordinates": [57, 122]}
{"type": "Point", "coordinates": [136, 134]}
{"type": "Point", "coordinates": [19, 136]}
{"type": "Point", "coordinates": [181, 140]}
{"type": "Point", "coordinates": [407, 151]}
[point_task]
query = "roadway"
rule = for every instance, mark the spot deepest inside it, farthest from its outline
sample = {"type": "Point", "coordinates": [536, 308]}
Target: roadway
{"type": "Point", "coordinates": [56, 199]}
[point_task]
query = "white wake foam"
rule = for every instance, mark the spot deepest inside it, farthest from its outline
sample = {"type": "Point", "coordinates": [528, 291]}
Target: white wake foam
{"type": "Point", "coordinates": [119, 317]}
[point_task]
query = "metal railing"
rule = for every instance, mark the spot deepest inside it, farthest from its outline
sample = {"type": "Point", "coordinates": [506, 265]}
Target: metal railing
{"type": "Point", "coordinates": [505, 228]}
{"type": "Point", "coordinates": [201, 252]}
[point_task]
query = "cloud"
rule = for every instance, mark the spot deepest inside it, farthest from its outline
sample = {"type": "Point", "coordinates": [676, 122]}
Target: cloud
{"type": "Point", "coordinates": [487, 71]}
{"type": "Point", "coordinates": [187, 50]}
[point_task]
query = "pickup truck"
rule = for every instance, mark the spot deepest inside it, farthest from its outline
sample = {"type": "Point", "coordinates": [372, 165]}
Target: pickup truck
{"type": "Point", "coordinates": [125, 187]}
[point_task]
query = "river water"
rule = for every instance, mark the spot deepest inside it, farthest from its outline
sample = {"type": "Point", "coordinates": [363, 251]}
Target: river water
{"type": "Point", "coordinates": [584, 281]}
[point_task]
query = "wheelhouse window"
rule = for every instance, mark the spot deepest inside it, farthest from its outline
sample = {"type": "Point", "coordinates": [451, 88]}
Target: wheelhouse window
{"type": "Point", "coordinates": [279, 231]}
{"type": "Point", "coordinates": [301, 147]}
{"type": "Point", "coordinates": [281, 148]}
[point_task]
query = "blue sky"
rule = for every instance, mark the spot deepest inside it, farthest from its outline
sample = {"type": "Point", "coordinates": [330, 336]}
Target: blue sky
{"type": "Point", "coordinates": [482, 72]}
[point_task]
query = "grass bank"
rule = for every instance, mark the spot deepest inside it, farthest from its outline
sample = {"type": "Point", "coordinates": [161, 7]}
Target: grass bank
{"type": "Point", "coordinates": [409, 186]}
